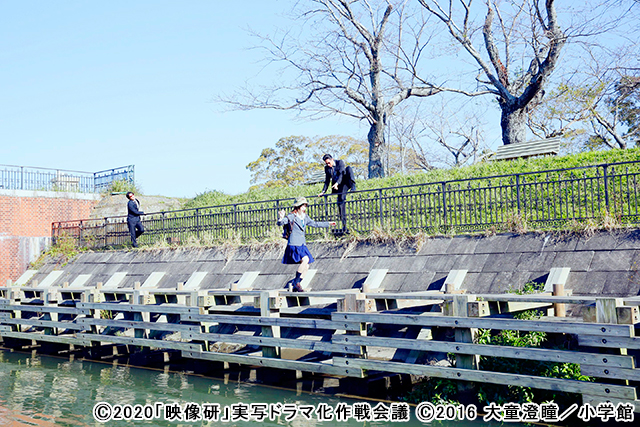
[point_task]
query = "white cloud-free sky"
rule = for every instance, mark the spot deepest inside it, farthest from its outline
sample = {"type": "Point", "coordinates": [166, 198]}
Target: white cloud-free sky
{"type": "Point", "coordinates": [93, 85]}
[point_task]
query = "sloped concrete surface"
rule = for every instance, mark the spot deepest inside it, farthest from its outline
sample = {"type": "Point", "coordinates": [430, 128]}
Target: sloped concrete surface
{"type": "Point", "coordinates": [606, 264]}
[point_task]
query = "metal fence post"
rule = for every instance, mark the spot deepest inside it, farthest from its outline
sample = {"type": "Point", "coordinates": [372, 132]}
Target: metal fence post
{"type": "Point", "coordinates": [606, 187]}
{"type": "Point", "coordinates": [235, 217]}
{"type": "Point", "coordinates": [518, 192]}
{"type": "Point", "coordinates": [444, 203]}
{"type": "Point", "coordinates": [198, 223]}
{"type": "Point", "coordinates": [104, 230]}
{"type": "Point", "coordinates": [380, 203]}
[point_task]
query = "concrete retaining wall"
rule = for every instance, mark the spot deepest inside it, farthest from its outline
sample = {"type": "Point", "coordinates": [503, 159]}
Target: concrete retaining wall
{"type": "Point", "coordinates": [603, 264]}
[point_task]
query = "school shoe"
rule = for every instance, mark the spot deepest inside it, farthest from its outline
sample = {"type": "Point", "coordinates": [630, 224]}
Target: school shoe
{"type": "Point", "coordinates": [296, 285]}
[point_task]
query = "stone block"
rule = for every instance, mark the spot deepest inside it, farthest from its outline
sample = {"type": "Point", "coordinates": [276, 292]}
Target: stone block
{"type": "Point", "coordinates": [530, 242]}
{"type": "Point", "coordinates": [576, 261]}
{"type": "Point", "coordinates": [438, 262]}
{"type": "Point", "coordinates": [436, 246]}
{"type": "Point", "coordinates": [493, 244]}
{"type": "Point", "coordinates": [608, 260]}
{"type": "Point", "coordinates": [471, 262]}
{"type": "Point", "coordinates": [536, 261]}
{"type": "Point", "coordinates": [478, 283]}
{"type": "Point", "coordinates": [417, 282]}
{"type": "Point", "coordinates": [462, 245]}
{"type": "Point", "coordinates": [500, 263]}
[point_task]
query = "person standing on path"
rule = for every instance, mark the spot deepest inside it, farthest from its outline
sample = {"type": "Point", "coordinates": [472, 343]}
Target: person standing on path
{"type": "Point", "coordinates": [341, 177]}
{"type": "Point", "coordinates": [133, 218]}
{"type": "Point", "coordinates": [297, 251]}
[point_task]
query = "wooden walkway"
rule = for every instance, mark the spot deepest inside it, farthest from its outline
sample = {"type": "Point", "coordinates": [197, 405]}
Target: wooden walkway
{"type": "Point", "coordinates": [339, 333]}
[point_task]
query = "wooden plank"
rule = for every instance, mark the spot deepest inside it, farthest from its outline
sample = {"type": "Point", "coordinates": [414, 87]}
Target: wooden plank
{"type": "Point", "coordinates": [294, 365]}
{"type": "Point", "coordinates": [610, 372]}
{"type": "Point", "coordinates": [130, 324]}
{"type": "Point", "coordinates": [609, 341]}
{"type": "Point", "coordinates": [46, 323]}
{"type": "Point", "coordinates": [454, 279]}
{"type": "Point", "coordinates": [557, 276]}
{"type": "Point", "coordinates": [425, 295]}
{"type": "Point", "coordinates": [153, 280]}
{"type": "Point", "coordinates": [541, 298]}
{"type": "Point", "coordinates": [595, 400]}
{"type": "Point", "coordinates": [150, 308]}
{"type": "Point", "coordinates": [274, 342]}
{"type": "Point", "coordinates": [50, 279]}
{"type": "Point", "coordinates": [246, 281]}
{"type": "Point", "coordinates": [287, 322]}
{"type": "Point", "coordinates": [25, 277]}
{"type": "Point", "coordinates": [43, 337]}
{"type": "Point", "coordinates": [488, 323]}
{"type": "Point", "coordinates": [571, 386]}
{"type": "Point", "coordinates": [527, 149]}
{"type": "Point", "coordinates": [194, 281]}
{"type": "Point", "coordinates": [80, 281]}
{"type": "Point", "coordinates": [373, 281]}
{"type": "Point", "coordinates": [114, 281]}
{"type": "Point", "coordinates": [541, 354]}
{"type": "Point", "coordinates": [142, 342]}
{"type": "Point", "coordinates": [49, 309]}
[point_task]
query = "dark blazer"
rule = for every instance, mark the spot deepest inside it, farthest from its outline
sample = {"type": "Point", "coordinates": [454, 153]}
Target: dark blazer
{"type": "Point", "coordinates": [133, 209]}
{"type": "Point", "coordinates": [339, 174]}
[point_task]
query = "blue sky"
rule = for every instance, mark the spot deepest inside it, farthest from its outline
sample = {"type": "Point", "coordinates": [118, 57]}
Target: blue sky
{"type": "Point", "coordinates": [92, 85]}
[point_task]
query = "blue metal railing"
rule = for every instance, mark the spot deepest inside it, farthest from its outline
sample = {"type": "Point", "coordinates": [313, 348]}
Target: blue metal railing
{"type": "Point", "coordinates": [47, 179]}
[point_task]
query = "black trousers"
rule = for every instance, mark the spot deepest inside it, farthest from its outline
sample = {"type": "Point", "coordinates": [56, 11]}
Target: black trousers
{"type": "Point", "coordinates": [342, 204]}
{"type": "Point", "coordinates": [135, 229]}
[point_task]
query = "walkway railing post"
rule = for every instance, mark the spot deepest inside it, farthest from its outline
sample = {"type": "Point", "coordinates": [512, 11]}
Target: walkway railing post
{"type": "Point", "coordinates": [381, 211]}
{"type": "Point", "coordinates": [268, 308]}
{"type": "Point", "coordinates": [198, 223]}
{"type": "Point", "coordinates": [518, 192]}
{"type": "Point", "coordinates": [606, 187]}
{"type": "Point", "coordinates": [444, 203]}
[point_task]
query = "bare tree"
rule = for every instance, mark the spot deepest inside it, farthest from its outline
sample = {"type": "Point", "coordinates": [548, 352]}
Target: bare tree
{"type": "Point", "coordinates": [358, 58]}
{"type": "Point", "coordinates": [520, 47]}
{"type": "Point", "coordinates": [444, 133]}
{"type": "Point", "coordinates": [596, 102]}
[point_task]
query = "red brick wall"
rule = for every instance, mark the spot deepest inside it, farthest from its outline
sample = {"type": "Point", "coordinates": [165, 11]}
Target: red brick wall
{"type": "Point", "coordinates": [25, 224]}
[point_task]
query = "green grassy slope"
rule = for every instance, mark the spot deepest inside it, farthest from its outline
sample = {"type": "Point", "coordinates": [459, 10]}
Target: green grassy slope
{"type": "Point", "coordinates": [215, 198]}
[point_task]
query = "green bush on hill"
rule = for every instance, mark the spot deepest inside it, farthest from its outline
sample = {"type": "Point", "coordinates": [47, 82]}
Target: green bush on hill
{"type": "Point", "coordinates": [483, 169]}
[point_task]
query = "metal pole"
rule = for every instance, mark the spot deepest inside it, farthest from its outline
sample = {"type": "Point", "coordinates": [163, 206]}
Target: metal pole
{"type": "Point", "coordinates": [444, 203]}
{"type": "Point", "coordinates": [381, 212]}
{"type": "Point", "coordinates": [606, 188]}
{"type": "Point", "coordinates": [518, 192]}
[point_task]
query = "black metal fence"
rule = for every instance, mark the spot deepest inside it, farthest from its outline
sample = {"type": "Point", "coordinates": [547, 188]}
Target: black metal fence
{"type": "Point", "coordinates": [45, 179]}
{"type": "Point", "coordinates": [548, 199]}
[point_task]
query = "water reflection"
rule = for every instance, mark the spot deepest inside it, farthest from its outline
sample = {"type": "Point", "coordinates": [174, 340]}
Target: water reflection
{"type": "Point", "coordinates": [47, 391]}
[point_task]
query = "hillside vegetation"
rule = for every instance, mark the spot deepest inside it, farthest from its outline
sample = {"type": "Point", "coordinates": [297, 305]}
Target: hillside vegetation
{"type": "Point", "coordinates": [216, 198]}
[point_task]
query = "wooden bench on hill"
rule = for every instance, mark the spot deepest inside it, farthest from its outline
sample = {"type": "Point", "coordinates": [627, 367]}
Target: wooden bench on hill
{"type": "Point", "coordinates": [539, 147]}
{"type": "Point", "coordinates": [315, 177]}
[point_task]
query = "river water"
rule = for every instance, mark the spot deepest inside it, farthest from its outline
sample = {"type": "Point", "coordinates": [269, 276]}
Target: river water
{"type": "Point", "coordinates": [49, 391]}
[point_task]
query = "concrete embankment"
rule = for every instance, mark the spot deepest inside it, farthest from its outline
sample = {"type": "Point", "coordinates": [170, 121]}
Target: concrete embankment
{"type": "Point", "coordinates": [605, 263]}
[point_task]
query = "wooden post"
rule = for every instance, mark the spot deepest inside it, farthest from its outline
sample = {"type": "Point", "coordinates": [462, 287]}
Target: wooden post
{"type": "Point", "coordinates": [459, 308]}
{"type": "Point", "coordinates": [559, 310]}
{"type": "Point", "coordinates": [267, 310]}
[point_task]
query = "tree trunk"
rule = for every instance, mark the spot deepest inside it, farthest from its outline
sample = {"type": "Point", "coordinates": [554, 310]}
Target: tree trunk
{"type": "Point", "coordinates": [513, 123]}
{"type": "Point", "coordinates": [376, 139]}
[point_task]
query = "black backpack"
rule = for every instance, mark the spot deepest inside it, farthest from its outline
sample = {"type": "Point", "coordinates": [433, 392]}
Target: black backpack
{"type": "Point", "coordinates": [286, 228]}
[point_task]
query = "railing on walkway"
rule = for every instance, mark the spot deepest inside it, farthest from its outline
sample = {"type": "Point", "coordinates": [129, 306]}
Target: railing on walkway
{"type": "Point", "coordinates": [46, 179]}
{"type": "Point", "coordinates": [548, 199]}
{"type": "Point", "coordinates": [342, 332]}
